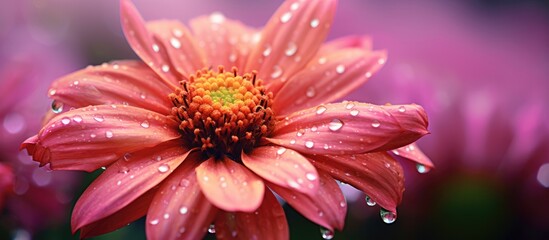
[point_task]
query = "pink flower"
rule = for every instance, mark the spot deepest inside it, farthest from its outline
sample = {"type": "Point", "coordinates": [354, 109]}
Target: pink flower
{"type": "Point", "coordinates": [190, 146]}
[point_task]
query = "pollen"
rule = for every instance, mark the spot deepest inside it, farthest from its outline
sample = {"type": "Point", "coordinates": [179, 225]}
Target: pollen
{"type": "Point", "coordinates": [223, 113]}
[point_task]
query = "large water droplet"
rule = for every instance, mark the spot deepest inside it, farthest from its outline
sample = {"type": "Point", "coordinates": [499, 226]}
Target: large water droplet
{"type": "Point", "coordinates": [310, 92]}
{"type": "Point", "coordinates": [154, 221]}
{"type": "Point", "coordinates": [277, 72]}
{"type": "Point", "coordinates": [376, 124]}
{"type": "Point", "coordinates": [175, 43]}
{"type": "Point", "coordinates": [291, 50]}
{"type": "Point", "coordinates": [369, 201]}
{"type": "Point", "coordinates": [163, 168]}
{"type": "Point", "coordinates": [422, 168]}
{"type": "Point", "coordinates": [183, 210]}
{"type": "Point", "coordinates": [311, 176]}
{"type": "Point", "coordinates": [315, 22]}
{"type": "Point", "coordinates": [165, 68]}
{"type": "Point", "coordinates": [281, 151]}
{"type": "Point", "coordinates": [77, 118]}
{"type": "Point", "coordinates": [387, 216]}
{"type": "Point", "coordinates": [285, 17]}
{"type": "Point", "coordinates": [294, 6]}
{"type": "Point", "coordinates": [145, 124]}
{"type": "Point", "coordinates": [65, 121]}
{"type": "Point", "coordinates": [326, 233]}
{"type": "Point", "coordinates": [340, 69]}
{"type": "Point", "coordinates": [211, 229]}
{"type": "Point", "coordinates": [320, 109]}
{"type": "Point", "coordinates": [354, 112]}
{"type": "Point", "coordinates": [401, 109]}
{"type": "Point", "coordinates": [56, 106]}
{"type": "Point", "coordinates": [335, 125]}
{"type": "Point", "coordinates": [309, 144]}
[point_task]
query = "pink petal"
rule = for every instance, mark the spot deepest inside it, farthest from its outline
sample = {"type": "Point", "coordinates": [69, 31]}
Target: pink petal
{"type": "Point", "coordinates": [179, 209]}
{"type": "Point", "coordinates": [229, 185]}
{"type": "Point", "coordinates": [284, 167]}
{"type": "Point", "coordinates": [328, 208]}
{"type": "Point", "coordinates": [144, 45]}
{"type": "Point", "coordinates": [413, 152]}
{"type": "Point", "coordinates": [103, 133]}
{"type": "Point", "coordinates": [121, 218]}
{"type": "Point", "coordinates": [180, 45]}
{"type": "Point", "coordinates": [332, 77]}
{"type": "Point", "coordinates": [357, 42]}
{"type": "Point", "coordinates": [122, 82]}
{"type": "Point", "coordinates": [350, 127]}
{"type": "Point", "coordinates": [125, 181]}
{"type": "Point", "coordinates": [225, 42]}
{"type": "Point", "coordinates": [290, 39]}
{"type": "Point", "coordinates": [377, 174]}
{"type": "Point", "coordinates": [268, 222]}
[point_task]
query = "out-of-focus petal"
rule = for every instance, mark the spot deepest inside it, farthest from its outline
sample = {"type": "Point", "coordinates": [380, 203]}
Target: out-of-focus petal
{"type": "Point", "coordinates": [328, 208]}
{"type": "Point", "coordinates": [350, 127]}
{"type": "Point", "coordinates": [357, 42]}
{"type": "Point", "coordinates": [284, 167]}
{"type": "Point", "coordinates": [290, 39]}
{"type": "Point", "coordinates": [413, 153]}
{"type": "Point", "coordinates": [229, 185]}
{"type": "Point", "coordinates": [331, 77]}
{"type": "Point", "coordinates": [120, 82]}
{"type": "Point", "coordinates": [104, 133]}
{"type": "Point", "coordinates": [268, 222]}
{"type": "Point", "coordinates": [145, 45]}
{"type": "Point", "coordinates": [125, 181]}
{"type": "Point", "coordinates": [225, 42]}
{"type": "Point", "coordinates": [121, 218]}
{"type": "Point", "coordinates": [6, 182]}
{"type": "Point", "coordinates": [179, 209]}
{"type": "Point", "coordinates": [377, 174]}
{"type": "Point", "coordinates": [180, 46]}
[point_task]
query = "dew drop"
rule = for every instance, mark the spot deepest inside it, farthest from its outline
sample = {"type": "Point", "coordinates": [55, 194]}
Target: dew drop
{"type": "Point", "coordinates": [184, 183]}
{"type": "Point", "coordinates": [52, 92]}
{"type": "Point", "coordinates": [56, 106]}
{"type": "Point", "coordinates": [277, 72]}
{"type": "Point", "coordinates": [294, 6]}
{"type": "Point", "coordinates": [267, 51]}
{"type": "Point", "coordinates": [109, 134]}
{"type": "Point", "coordinates": [335, 125]}
{"type": "Point", "coordinates": [368, 74]}
{"type": "Point", "coordinates": [77, 118]}
{"type": "Point", "coordinates": [326, 233]}
{"type": "Point", "coordinates": [217, 18]}
{"type": "Point", "coordinates": [183, 210]}
{"type": "Point", "coordinates": [309, 144]}
{"type": "Point", "coordinates": [322, 60]}
{"type": "Point", "coordinates": [315, 22]}
{"type": "Point", "coordinates": [166, 215]}
{"type": "Point", "coordinates": [145, 124]}
{"type": "Point", "coordinates": [292, 141]}
{"type": "Point", "coordinates": [369, 201]}
{"type": "Point", "coordinates": [340, 69]}
{"type": "Point", "coordinates": [155, 48]}
{"type": "Point", "coordinates": [320, 109]}
{"type": "Point", "coordinates": [154, 221]}
{"type": "Point", "coordinates": [291, 50]}
{"type": "Point", "coordinates": [342, 204]}
{"type": "Point", "coordinates": [163, 168]}
{"type": "Point", "coordinates": [211, 229]}
{"type": "Point", "coordinates": [311, 176]}
{"type": "Point", "coordinates": [93, 135]}
{"type": "Point", "coordinates": [176, 32]}
{"type": "Point", "coordinates": [376, 124]}
{"type": "Point", "coordinates": [311, 92]}
{"type": "Point", "coordinates": [99, 118]}
{"type": "Point", "coordinates": [175, 43]}
{"type": "Point", "coordinates": [314, 128]}
{"type": "Point", "coordinates": [165, 68]}
{"type": "Point", "coordinates": [65, 121]}
{"type": "Point", "coordinates": [232, 57]}
{"type": "Point", "coordinates": [349, 105]}
{"type": "Point", "coordinates": [124, 170]}
{"type": "Point", "coordinates": [387, 216]}
{"type": "Point", "coordinates": [281, 151]}
{"type": "Point", "coordinates": [285, 17]}
{"type": "Point", "coordinates": [401, 109]}
{"type": "Point", "coordinates": [422, 168]}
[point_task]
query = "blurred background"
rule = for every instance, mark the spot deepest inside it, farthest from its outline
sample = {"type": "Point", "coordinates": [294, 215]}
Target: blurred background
{"type": "Point", "coordinates": [479, 67]}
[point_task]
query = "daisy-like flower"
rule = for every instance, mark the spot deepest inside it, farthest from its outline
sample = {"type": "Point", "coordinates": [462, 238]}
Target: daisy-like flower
{"type": "Point", "coordinates": [200, 134]}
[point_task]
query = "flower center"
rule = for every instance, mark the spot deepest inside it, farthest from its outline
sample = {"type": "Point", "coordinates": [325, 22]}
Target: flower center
{"type": "Point", "coordinates": [222, 112]}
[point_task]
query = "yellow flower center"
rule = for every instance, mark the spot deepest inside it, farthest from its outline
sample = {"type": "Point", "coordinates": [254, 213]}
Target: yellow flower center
{"type": "Point", "coordinates": [222, 112]}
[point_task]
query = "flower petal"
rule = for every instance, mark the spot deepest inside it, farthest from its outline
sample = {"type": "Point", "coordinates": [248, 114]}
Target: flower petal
{"type": "Point", "coordinates": [350, 127]}
{"type": "Point", "coordinates": [229, 185]}
{"type": "Point", "coordinates": [284, 167]}
{"type": "Point", "coordinates": [357, 42]}
{"type": "Point", "coordinates": [377, 174]}
{"type": "Point", "coordinates": [121, 218]}
{"type": "Point", "coordinates": [290, 39]}
{"type": "Point", "coordinates": [121, 82]}
{"type": "Point", "coordinates": [330, 78]}
{"type": "Point", "coordinates": [144, 45]}
{"type": "Point", "coordinates": [180, 46]}
{"type": "Point", "coordinates": [225, 42]}
{"type": "Point", "coordinates": [124, 181]}
{"type": "Point", "coordinates": [413, 153]}
{"type": "Point", "coordinates": [328, 208]}
{"type": "Point", "coordinates": [104, 133]}
{"type": "Point", "coordinates": [179, 209]}
{"type": "Point", "coordinates": [268, 222]}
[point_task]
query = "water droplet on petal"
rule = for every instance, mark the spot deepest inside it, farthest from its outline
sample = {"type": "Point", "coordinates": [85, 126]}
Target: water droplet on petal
{"type": "Point", "coordinates": [326, 233]}
{"type": "Point", "coordinates": [294, 6]}
{"type": "Point", "coordinates": [315, 22]}
{"type": "Point", "coordinates": [155, 48]}
{"type": "Point", "coordinates": [176, 32]}
{"type": "Point", "coordinates": [108, 134]}
{"type": "Point", "coordinates": [99, 118]}
{"type": "Point", "coordinates": [52, 92]}
{"type": "Point", "coordinates": [217, 17]}
{"type": "Point", "coordinates": [320, 109]}
{"type": "Point", "coordinates": [124, 170]}
{"type": "Point", "coordinates": [291, 50]}
{"type": "Point", "coordinates": [311, 176]}
{"type": "Point", "coordinates": [281, 151]}
{"type": "Point", "coordinates": [368, 74]}
{"type": "Point", "coordinates": [422, 168]}
{"type": "Point", "coordinates": [165, 68]}
{"type": "Point", "coordinates": [93, 135]}
{"type": "Point", "coordinates": [184, 183]}
{"type": "Point", "coordinates": [369, 201]}
{"type": "Point", "coordinates": [183, 210]}
{"type": "Point", "coordinates": [56, 106]}
{"type": "Point", "coordinates": [354, 112]}
{"type": "Point", "coordinates": [65, 120]}
{"type": "Point", "coordinates": [340, 69]}
{"type": "Point", "coordinates": [310, 92]}
{"type": "Point", "coordinates": [335, 125]}
{"type": "Point", "coordinates": [292, 141]}
{"type": "Point", "coordinates": [285, 17]}
{"type": "Point", "coordinates": [401, 109]}
{"type": "Point", "coordinates": [277, 72]}
{"type": "Point", "coordinates": [145, 124]}
{"type": "Point", "coordinates": [387, 216]}
{"type": "Point", "coordinates": [309, 144]}
{"type": "Point", "coordinates": [376, 124]}
{"type": "Point", "coordinates": [77, 118]}
{"type": "Point", "coordinates": [175, 43]}
{"type": "Point", "coordinates": [267, 51]}
{"type": "Point", "coordinates": [381, 61]}
{"type": "Point", "coordinates": [211, 229]}
{"type": "Point", "coordinates": [154, 221]}
{"type": "Point", "coordinates": [163, 168]}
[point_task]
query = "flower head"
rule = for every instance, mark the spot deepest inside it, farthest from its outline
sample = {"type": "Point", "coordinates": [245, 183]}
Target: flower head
{"type": "Point", "coordinates": [190, 144]}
